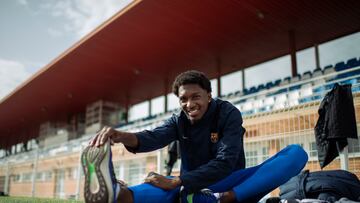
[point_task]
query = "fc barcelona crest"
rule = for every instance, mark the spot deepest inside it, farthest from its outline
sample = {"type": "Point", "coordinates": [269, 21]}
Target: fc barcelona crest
{"type": "Point", "coordinates": [214, 137]}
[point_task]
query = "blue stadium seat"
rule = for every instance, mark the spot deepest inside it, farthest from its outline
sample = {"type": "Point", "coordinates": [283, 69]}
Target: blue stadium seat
{"type": "Point", "coordinates": [351, 63]}
{"type": "Point", "coordinates": [240, 101]}
{"type": "Point", "coordinates": [296, 78]}
{"type": "Point", "coordinates": [327, 68]}
{"type": "Point", "coordinates": [329, 86]}
{"type": "Point", "coordinates": [238, 93]}
{"type": "Point", "coordinates": [130, 122]}
{"type": "Point", "coordinates": [295, 87]}
{"type": "Point", "coordinates": [340, 66]}
{"type": "Point", "coordinates": [230, 94]}
{"type": "Point", "coordinates": [282, 90]}
{"type": "Point", "coordinates": [260, 87]}
{"type": "Point", "coordinates": [252, 90]}
{"type": "Point", "coordinates": [277, 82]}
{"type": "Point", "coordinates": [317, 72]}
{"type": "Point", "coordinates": [246, 91]}
{"type": "Point", "coordinates": [285, 81]}
{"type": "Point", "coordinates": [247, 113]}
{"type": "Point", "coordinates": [269, 85]}
{"type": "Point", "coordinates": [306, 100]}
{"type": "Point", "coordinates": [263, 109]}
{"type": "Point", "coordinates": [319, 90]}
{"type": "Point", "coordinates": [349, 81]}
{"type": "Point", "coordinates": [306, 75]}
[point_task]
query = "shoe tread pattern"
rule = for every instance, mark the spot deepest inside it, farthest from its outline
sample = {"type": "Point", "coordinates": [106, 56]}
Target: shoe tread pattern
{"type": "Point", "coordinates": [94, 155]}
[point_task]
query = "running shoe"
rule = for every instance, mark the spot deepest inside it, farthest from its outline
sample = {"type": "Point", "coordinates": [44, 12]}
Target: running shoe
{"type": "Point", "coordinates": [100, 181]}
{"type": "Point", "coordinates": [203, 196]}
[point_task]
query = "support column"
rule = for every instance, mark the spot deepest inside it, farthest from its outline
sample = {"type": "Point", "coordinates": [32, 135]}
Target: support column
{"type": "Point", "coordinates": [292, 50]}
{"type": "Point", "coordinates": [78, 175]}
{"type": "Point", "coordinates": [317, 58]}
{"type": "Point", "coordinates": [160, 161]}
{"type": "Point", "coordinates": [34, 173]}
{"type": "Point", "coordinates": [127, 114]}
{"type": "Point", "coordinates": [127, 107]}
{"type": "Point", "coordinates": [344, 158]}
{"type": "Point", "coordinates": [101, 114]}
{"type": "Point", "coordinates": [121, 171]}
{"type": "Point", "coordinates": [150, 110]}
{"type": "Point", "coordinates": [7, 178]}
{"type": "Point", "coordinates": [166, 90]}
{"type": "Point", "coordinates": [218, 75]}
{"type": "Point", "coordinates": [243, 79]}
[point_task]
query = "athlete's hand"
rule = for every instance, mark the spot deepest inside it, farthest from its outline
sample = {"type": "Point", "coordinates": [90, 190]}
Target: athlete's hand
{"type": "Point", "coordinates": [163, 182]}
{"type": "Point", "coordinates": [102, 136]}
{"type": "Point", "coordinates": [122, 183]}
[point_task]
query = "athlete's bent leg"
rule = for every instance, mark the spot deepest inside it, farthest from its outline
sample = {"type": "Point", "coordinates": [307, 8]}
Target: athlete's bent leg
{"type": "Point", "coordinates": [250, 184]}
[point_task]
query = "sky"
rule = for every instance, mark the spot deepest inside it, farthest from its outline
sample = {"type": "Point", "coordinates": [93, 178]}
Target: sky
{"type": "Point", "coordinates": [34, 32]}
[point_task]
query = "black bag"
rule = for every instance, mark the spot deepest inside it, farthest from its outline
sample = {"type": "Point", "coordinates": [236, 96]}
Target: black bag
{"type": "Point", "coordinates": [336, 123]}
{"type": "Point", "coordinates": [323, 185]}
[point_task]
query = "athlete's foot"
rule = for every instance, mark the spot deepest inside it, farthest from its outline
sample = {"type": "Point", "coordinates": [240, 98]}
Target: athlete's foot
{"type": "Point", "coordinates": [228, 197]}
{"type": "Point", "coordinates": [100, 183]}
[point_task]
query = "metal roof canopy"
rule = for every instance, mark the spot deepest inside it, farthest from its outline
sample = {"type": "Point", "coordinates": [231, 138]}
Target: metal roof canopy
{"type": "Point", "coordinates": [135, 55]}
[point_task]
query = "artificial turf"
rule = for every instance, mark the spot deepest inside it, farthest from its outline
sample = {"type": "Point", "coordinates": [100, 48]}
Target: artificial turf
{"type": "Point", "coordinates": [34, 200]}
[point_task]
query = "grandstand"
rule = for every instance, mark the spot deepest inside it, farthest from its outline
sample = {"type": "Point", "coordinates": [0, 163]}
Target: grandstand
{"type": "Point", "coordinates": [47, 121]}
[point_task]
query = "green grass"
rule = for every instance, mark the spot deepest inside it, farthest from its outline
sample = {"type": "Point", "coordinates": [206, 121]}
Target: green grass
{"type": "Point", "coordinates": [34, 200]}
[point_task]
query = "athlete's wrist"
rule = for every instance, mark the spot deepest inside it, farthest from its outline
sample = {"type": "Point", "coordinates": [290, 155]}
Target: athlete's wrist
{"type": "Point", "coordinates": [176, 181]}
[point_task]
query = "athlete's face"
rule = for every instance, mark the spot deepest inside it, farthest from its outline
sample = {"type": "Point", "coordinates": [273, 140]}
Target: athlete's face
{"type": "Point", "coordinates": [194, 101]}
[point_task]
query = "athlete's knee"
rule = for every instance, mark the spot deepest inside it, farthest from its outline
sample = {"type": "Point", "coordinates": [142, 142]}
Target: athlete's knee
{"type": "Point", "coordinates": [297, 157]}
{"type": "Point", "coordinates": [299, 153]}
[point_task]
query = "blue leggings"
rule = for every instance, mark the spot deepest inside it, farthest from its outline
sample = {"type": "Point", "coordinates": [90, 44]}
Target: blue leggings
{"type": "Point", "coordinates": [249, 185]}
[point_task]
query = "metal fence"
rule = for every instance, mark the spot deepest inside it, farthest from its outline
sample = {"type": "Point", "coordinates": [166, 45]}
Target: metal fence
{"type": "Point", "coordinates": [271, 125]}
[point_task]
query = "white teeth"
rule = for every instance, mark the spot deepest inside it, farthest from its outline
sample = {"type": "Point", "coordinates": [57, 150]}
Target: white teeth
{"type": "Point", "coordinates": [192, 112]}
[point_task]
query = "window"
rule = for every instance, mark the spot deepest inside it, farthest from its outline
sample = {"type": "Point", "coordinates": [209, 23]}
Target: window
{"type": "Point", "coordinates": [305, 60]}
{"type": "Point", "coordinates": [340, 49]}
{"type": "Point", "coordinates": [251, 158]}
{"type": "Point", "coordinates": [48, 175]}
{"type": "Point", "coordinates": [157, 105]}
{"type": "Point", "coordinates": [136, 172]}
{"type": "Point", "coordinates": [279, 68]}
{"type": "Point", "coordinates": [140, 110]}
{"type": "Point", "coordinates": [313, 149]}
{"type": "Point", "coordinates": [354, 145]}
{"type": "Point", "coordinates": [231, 83]}
{"type": "Point", "coordinates": [27, 177]}
{"type": "Point", "coordinates": [17, 178]}
{"type": "Point", "coordinates": [40, 176]}
{"type": "Point", "coordinates": [214, 91]}
{"type": "Point", "coordinates": [265, 153]}
{"type": "Point", "coordinates": [172, 102]}
{"type": "Point", "coordinates": [72, 173]}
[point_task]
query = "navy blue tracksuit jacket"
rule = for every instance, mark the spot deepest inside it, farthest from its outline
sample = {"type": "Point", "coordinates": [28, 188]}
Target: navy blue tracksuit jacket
{"type": "Point", "coordinates": [203, 161]}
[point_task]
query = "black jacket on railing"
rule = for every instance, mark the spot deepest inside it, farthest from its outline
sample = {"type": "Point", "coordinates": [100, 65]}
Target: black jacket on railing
{"type": "Point", "coordinates": [336, 123]}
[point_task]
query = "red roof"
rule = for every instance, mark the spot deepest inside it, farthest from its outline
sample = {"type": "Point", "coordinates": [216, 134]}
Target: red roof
{"type": "Point", "coordinates": [136, 54]}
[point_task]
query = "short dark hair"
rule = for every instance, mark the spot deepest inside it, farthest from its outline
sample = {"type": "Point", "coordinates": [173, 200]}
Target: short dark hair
{"type": "Point", "coordinates": [191, 77]}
